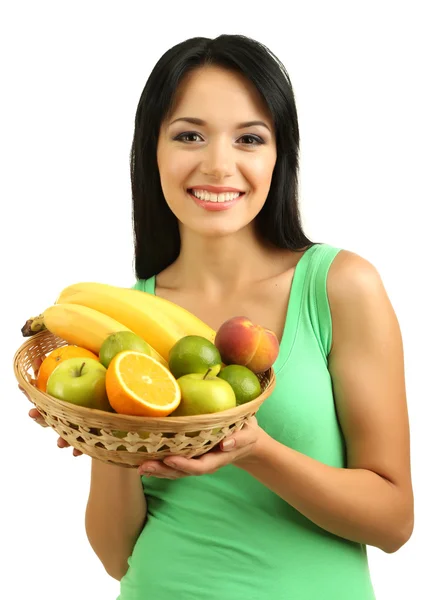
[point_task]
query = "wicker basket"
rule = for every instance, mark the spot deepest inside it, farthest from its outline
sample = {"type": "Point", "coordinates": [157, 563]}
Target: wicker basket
{"type": "Point", "coordinates": [122, 439]}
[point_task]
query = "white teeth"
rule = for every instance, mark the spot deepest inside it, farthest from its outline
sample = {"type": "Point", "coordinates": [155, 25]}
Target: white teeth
{"type": "Point", "coordinates": [208, 197]}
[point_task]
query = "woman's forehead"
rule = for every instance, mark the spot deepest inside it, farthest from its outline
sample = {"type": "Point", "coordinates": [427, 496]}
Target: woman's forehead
{"type": "Point", "coordinates": [212, 94]}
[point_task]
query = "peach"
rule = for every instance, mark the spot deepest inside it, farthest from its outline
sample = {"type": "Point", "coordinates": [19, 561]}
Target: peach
{"type": "Point", "coordinates": [241, 342]}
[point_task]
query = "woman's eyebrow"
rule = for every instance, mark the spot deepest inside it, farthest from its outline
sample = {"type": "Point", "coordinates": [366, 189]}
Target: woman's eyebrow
{"type": "Point", "coordinates": [196, 121]}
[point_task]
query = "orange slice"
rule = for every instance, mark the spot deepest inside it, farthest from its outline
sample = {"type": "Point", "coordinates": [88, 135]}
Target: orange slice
{"type": "Point", "coordinates": [139, 385]}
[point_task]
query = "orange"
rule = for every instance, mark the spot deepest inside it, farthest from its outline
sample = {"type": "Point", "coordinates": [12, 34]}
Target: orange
{"type": "Point", "coordinates": [57, 356]}
{"type": "Point", "coordinates": [139, 385]}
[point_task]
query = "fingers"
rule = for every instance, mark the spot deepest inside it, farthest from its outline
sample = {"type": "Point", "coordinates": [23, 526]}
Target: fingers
{"type": "Point", "coordinates": [202, 465]}
{"type": "Point", "coordinates": [153, 468]}
{"type": "Point", "coordinates": [36, 363]}
{"type": "Point", "coordinates": [37, 417]}
{"type": "Point", "coordinates": [245, 436]}
{"type": "Point", "coordinates": [61, 443]}
{"type": "Point", "coordinates": [234, 447]}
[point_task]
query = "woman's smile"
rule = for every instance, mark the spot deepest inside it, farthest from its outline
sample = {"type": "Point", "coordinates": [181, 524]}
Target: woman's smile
{"type": "Point", "coordinates": [215, 202]}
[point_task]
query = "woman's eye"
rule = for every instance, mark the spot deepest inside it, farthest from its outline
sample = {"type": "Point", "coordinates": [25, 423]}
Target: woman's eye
{"type": "Point", "coordinates": [256, 140]}
{"type": "Point", "coordinates": [188, 134]}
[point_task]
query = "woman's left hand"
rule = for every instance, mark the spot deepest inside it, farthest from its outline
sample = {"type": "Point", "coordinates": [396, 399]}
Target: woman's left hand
{"type": "Point", "coordinates": [237, 448]}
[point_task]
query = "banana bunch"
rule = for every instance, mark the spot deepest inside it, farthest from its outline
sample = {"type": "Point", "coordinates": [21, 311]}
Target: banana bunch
{"type": "Point", "coordinates": [86, 313]}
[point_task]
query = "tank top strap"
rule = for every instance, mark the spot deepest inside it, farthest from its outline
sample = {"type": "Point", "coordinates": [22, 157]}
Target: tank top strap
{"type": "Point", "coordinates": [315, 308]}
{"type": "Point", "coordinates": [145, 285]}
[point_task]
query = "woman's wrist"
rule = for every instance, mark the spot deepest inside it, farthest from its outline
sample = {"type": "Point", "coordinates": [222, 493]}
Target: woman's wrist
{"type": "Point", "coordinates": [259, 455]}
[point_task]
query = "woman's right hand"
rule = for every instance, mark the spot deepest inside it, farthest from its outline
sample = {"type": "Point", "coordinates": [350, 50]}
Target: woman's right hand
{"type": "Point", "coordinates": [38, 418]}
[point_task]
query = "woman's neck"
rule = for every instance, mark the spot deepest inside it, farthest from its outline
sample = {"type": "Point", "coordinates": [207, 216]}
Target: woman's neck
{"type": "Point", "coordinates": [220, 265]}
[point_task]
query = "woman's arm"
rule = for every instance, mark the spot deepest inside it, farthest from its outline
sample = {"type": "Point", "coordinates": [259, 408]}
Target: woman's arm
{"type": "Point", "coordinates": [115, 515]}
{"type": "Point", "coordinates": [372, 500]}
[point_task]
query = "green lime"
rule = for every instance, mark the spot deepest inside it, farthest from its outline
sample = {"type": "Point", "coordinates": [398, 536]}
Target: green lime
{"type": "Point", "coordinates": [243, 381]}
{"type": "Point", "coordinates": [120, 341]}
{"type": "Point", "coordinates": [194, 354]}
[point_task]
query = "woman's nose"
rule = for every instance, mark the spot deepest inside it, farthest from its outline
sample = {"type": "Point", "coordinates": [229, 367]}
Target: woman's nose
{"type": "Point", "coordinates": [218, 161]}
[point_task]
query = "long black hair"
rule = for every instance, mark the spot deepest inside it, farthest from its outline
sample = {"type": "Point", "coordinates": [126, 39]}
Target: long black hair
{"type": "Point", "coordinates": [156, 231]}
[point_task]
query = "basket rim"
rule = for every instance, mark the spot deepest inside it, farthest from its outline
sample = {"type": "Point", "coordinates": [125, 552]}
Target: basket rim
{"type": "Point", "coordinates": [83, 411]}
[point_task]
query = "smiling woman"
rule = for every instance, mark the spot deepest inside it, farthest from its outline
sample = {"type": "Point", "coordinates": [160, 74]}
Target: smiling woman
{"type": "Point", "coordinates": [286, 506]}
{"type": "Point", "coordinates": [233, 142]}
{"type": "Point", "coordinates": [215, 113]}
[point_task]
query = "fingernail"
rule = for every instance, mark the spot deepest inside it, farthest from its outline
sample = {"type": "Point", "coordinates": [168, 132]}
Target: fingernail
{"type": "Point", "coordinates": [145, 470]}
{"type": "Point", "coordinates": [228, 444]}
{"type": "Point", "coordinates": [171, 463]}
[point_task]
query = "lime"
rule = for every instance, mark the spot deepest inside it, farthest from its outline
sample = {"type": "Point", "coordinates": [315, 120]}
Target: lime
{"type": "Point", "coordinates": [120, 341]}
{"type": "Point", "coordinates": [243, 381]}
{"type": "Point", "coordinates": [194, 354]}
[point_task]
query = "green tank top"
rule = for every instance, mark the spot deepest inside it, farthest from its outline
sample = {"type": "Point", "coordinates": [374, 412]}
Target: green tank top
{"type": "Point", "coordinates": [225, 535]}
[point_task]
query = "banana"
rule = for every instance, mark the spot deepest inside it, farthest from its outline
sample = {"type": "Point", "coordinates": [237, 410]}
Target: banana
{"type": "Point", "coordinates": [158, 321]}
{"type": "Point", "coordinates": [84, 326]}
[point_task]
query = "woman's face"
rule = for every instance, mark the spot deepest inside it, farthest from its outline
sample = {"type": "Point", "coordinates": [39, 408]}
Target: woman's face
{"type": "Point", "coordinates": [210, 143]}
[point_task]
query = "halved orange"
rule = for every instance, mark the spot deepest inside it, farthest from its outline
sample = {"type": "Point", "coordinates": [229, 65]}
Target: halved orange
{"type": "Point", "coordinates": [139, 385]}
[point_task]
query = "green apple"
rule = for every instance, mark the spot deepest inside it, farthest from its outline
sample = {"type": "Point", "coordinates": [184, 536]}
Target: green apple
{"type": "Point", "coordinates": [203, 394]}
{"type": "Point", "coordinates": [80, 381]}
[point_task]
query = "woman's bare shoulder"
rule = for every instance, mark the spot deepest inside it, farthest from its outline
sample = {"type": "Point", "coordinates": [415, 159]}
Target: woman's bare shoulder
{"type": "Point", "coordinates": [357, 296]}
{"type": "Point", "coordinates": [351, 270]}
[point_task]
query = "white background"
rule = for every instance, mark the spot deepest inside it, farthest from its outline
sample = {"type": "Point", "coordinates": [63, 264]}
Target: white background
{"type": "Point", "coordinates": [72, 74]}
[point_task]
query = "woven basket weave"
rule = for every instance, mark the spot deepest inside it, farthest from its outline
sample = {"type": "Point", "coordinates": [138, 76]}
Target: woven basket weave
{"type": "Point", "coordinates": [122, 439]}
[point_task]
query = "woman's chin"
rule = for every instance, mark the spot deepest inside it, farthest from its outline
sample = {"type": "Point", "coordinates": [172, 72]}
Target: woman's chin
{"type": "Point", "coordinates": [212, 230]}
{"type": "Point", "coordinates": [216, 232]}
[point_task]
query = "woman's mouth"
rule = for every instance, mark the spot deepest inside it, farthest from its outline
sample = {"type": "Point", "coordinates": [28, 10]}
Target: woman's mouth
{"type": "Point", "coordinates": [215, 202]}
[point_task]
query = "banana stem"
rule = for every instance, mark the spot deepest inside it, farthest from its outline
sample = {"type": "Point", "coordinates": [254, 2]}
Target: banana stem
{"type": "Point", "coordinates": [33, 326]}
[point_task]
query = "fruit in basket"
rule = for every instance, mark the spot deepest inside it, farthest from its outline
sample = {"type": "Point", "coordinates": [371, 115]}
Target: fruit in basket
{"type": "Point", "coordinates": [203, 394]}
{"type": "Point", "coordinates": [242, 342]}
{"type": "Point", "coordinates": [80, 325]}
{"type": "Point", "coordinates": [80, 381]}
{"type": "Point", "coordinates": [119, 342]}
{"type": "Point", "coordinates": [54, 358]}
{"type": "Point", "coordinates": [83, 326]}
{"type": "Point", "coordinates": [194, 354]}
{"type": "Point", "coordinates": [33, 325]}
{"type": "Point", "coordinates": [139, 385]}
{"type": "Point", "coordinates": [157, 320]}
{"type": "Point", "coordinates": [243, 381]}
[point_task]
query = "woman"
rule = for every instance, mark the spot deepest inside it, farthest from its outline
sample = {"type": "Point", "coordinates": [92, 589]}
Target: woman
{"type": "Point", "coordinates": [285, 507]}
